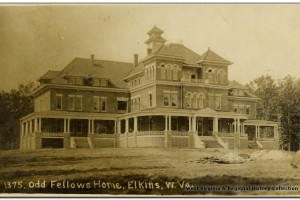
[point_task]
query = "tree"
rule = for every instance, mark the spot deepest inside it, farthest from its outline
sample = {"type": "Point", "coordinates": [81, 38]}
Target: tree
{"type": "Point", "coordinates": [266, 89]}
{"type": "Point", "coordinates": [289, 105]}
{"type": "Point", "coordinates": [14, 105]}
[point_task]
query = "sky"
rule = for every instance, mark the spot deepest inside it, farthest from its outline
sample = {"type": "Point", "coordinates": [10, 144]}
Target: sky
{"type": "Point", "coordinates": [260, 39]}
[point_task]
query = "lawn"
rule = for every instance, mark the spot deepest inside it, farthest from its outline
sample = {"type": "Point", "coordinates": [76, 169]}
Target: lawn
{"type": "Point", "coordinates": [145, 171]}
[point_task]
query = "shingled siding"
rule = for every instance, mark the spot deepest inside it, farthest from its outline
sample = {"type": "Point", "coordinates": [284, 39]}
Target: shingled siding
{"type": "Point", "coordinates": [87, 101]}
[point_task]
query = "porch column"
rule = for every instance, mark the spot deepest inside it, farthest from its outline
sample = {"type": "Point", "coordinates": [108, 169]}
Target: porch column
{"type": "Point", "coordinates": [170, 122]}
{"type": "Point", "coordinates": [40, 124]}
{"type": "Point", "coordinates": [30, 126]}
{"type": "Point", "coordinates": [115, 128]}
{"type": "Point", "coordinates": [93, 126]}
{"type": "Point", "coordinates": [22, 128]}
{"type": "Point", "coordinates": [190, 123]}
{"type": "Point", "coordinates": [234, 126]}
{"type": "Point", "coordinates": [194, 123]}
{"type": "Point", "coordinates": [89, 126]}
{"type": "Point", "coordinates": [35, 124]}
{"type": "Point", "coordinates": [238, 126]}
{"type": "Point", "coordinates": [166, 122]}
{"type": "Point", "coordinates": [119, 126]}
{"type": "Point", "coordinates": [135, 124]}
{"type": "Point", "coordinates": [65, 125]}
{"type": "Point", "coordinates": [216, 125]}
{"type": "Point", "coordinates": [126, 125]}
{"type": "Point", "coordinates": [276, 131]}
{"type": "Point", "coordinates": [256, 131]}
{"type": "Point", "coordinates": [69, 122]}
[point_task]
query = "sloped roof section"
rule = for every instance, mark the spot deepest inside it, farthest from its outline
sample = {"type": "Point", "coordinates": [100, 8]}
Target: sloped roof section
{"type": "Point", "coordinates": [211, 56]}
{"type": "Point", "coordinates": [155, 29]}
{"type": "Point", "coordinates": [81, 67]}
{"type": "Point", "coordinates": [179, 50]}
{"type": "Point", "coordinates": [49, 75]}
{"type": "Point", "coordinates": [236, 85]}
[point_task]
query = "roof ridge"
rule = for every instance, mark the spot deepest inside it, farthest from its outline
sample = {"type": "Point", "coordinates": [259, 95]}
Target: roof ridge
{"type": "Point", "coordinates": [106, 60]}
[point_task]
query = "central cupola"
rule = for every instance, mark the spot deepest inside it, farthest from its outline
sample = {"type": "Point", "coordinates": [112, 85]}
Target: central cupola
{"type": "Point", "coordinates": [155, 40]}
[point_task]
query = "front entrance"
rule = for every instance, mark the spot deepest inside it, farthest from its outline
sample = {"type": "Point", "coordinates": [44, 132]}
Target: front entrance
{"type": "Point", "coordinates": [204, 126]}
{"type": "Point", "coordinates": [250, 130]}
{"type": "Point", "coordinates": [79, 127]}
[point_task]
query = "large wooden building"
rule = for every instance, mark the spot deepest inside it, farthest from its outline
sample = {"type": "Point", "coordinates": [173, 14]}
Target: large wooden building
{"type": "Point", "coordinates": [173, 97]}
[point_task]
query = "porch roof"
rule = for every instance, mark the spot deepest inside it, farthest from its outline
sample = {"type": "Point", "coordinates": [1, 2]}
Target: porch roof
{"type": "Point", "coordinates": [70, 115]}
{"type": "Point", "coordinates": [260, 122]}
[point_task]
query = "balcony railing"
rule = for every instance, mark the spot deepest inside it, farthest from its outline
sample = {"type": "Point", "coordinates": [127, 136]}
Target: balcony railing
{"type": "Point", "coordinates": [122, 111]}
{"type": "Point", "coordinates": [192, 80]}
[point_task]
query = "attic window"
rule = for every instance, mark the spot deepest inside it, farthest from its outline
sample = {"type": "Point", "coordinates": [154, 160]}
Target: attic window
{"type": "Point", "coordinates": [78, 81]}
{"type": "Point", "coordinates": [103, 83]}
{"type": "Point", "coordinates": [72, 80]}
{"type": "Point", "coordinates": [96, 82]}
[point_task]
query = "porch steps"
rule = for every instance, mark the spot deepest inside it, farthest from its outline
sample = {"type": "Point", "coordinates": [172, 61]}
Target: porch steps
{"type": "Point", "coordinates": [211, 142]}
{"type": "Point", "coordinates": [254, 145]}
{"type": "Point", "coordinates": [81, 142]}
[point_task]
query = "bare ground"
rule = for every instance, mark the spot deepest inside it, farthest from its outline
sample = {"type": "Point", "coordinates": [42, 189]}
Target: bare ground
{"type": "Point", "coordinates": [144, 171]}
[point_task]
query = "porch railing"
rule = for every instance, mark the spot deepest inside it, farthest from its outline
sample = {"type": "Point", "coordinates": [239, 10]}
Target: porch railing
{"type": "Point", "coordinates": [180, 133]}
{"type": "Point", "coordinates": [150, 133]}
{"type": "Point", "coordinates": [52, 134]}
{"type": "Point", "coordinates": [104, 135]}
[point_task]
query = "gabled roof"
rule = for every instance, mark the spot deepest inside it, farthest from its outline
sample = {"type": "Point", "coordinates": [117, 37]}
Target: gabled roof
{"type": "Point", "coordinates": [178, 50]}
{"type": "Point", "coordinates": [211, 56]}
{"type": "Point", "coordinates": [155, 29]}
{"type": "Point", "coordinates": [173, 49]}
{"type": "Point", "coordinates": [236, 85]}
{"type": "Point", "coordinates": [49, 75]}
{"type": "Point", "coordinates": [81, 67]}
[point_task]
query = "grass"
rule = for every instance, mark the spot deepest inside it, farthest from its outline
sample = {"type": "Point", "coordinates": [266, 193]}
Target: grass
{"type": "Point", "coordinates": [140, 171]}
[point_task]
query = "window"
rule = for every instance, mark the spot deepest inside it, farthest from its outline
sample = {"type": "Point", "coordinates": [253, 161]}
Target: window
{"type": "Point", "coordinates": [166, 98]}
{"type": "Point", "coordinates": [218, 102]}
{"type": "Point", "coordinates": [103, 83]}
{"type": "Point", "coordinates": [175, 73]}
{"type": "Point", "coordinates": [194, 101]}
{"type": "Point", "coordinates": [174, 99]}
{"type": "Point", "coordinates": [150, 100]}
{"type": "Point", "coordinates": [79, 103]}
{"type": "Point", "coordinates": [188, 100]}
{"type": "Point", "coordinates": [59, 98]}
{"type": "Point", "coordinates": [211, 101]}
{"type": "Point", "coordinates": [169, 72]}
{"type": "Point", "coordinates": [71, 102]}
{"type": "Point", "coordinates": [103, 103]}
{"type": "Point", "coordinates": [150, 77]}
{"type": "Point", "coordinates": [153, 72]}
{"type": "Point", "coordinates": [78, 81]}
{"type": "Point", "coordinates": [241, 109]}
{"type": "Point", "coordinates": [210, 76]}
{"type": "Point", "coordinates": [235, 108]}
{"type": "Point", "coordinates": [162, 72]}
{"type": "Point", "coordinates": [96, 103]}
{"type": "Point", "coordinates": [139, 103]}
{"type": "Point", "coordinates": [72, 80]}
{"type": "Point", "coordinates": [147, 73]}
{"type": "Point", "coordinates": [248, 110]}
{"type": "Point", "coordinates": [122, 106]}
{"type": "Point", "coordinates": [200, 101]}
{"type": "Point", "coordinates": [96, 82]}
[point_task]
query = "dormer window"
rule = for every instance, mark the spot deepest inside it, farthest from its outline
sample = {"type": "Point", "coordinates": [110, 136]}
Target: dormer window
{"type": "Point", "coordinates": [72, 80]}
{"type": "Point", "coordinates": [96, 82]}
{"type": "Point", "coordinates": [103, 83]}
{"type": "Point", "coordinates": [78, 81]}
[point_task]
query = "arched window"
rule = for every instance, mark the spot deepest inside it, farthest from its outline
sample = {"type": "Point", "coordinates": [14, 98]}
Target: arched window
{"type": "Point", "coordinates": [150, 76]}
{"type": "Point", "coordinates": [200, 100]}
{"type": "Point", "coordinates": [147, 73]}
{"type": "Point", "coordinates": [194, 100]}
{"type": "Point", "coordinates": [175, 76]}
{"type": "Point", "coordinates": [153, 72]}
{"type": "Point", "coordinates": [162, 72]}
{"type": "Point", "coordinates": [169, 71]}
{"type": "Point", "coordinates": [188, 100]}
{"type": "Point", "coordinates": [210, 75]}
{"type": "Point", "coordinates": [215, 76]}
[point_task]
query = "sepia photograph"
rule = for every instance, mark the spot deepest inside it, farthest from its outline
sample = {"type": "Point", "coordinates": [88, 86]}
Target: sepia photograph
{"type": "Point", "coordinates": [149, 100]}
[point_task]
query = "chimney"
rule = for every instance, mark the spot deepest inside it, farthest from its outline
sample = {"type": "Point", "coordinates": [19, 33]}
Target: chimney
{"type": "Point", "coordinates": [136, 59]}
{"type": "Point", "coordinates": [92, 60]}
